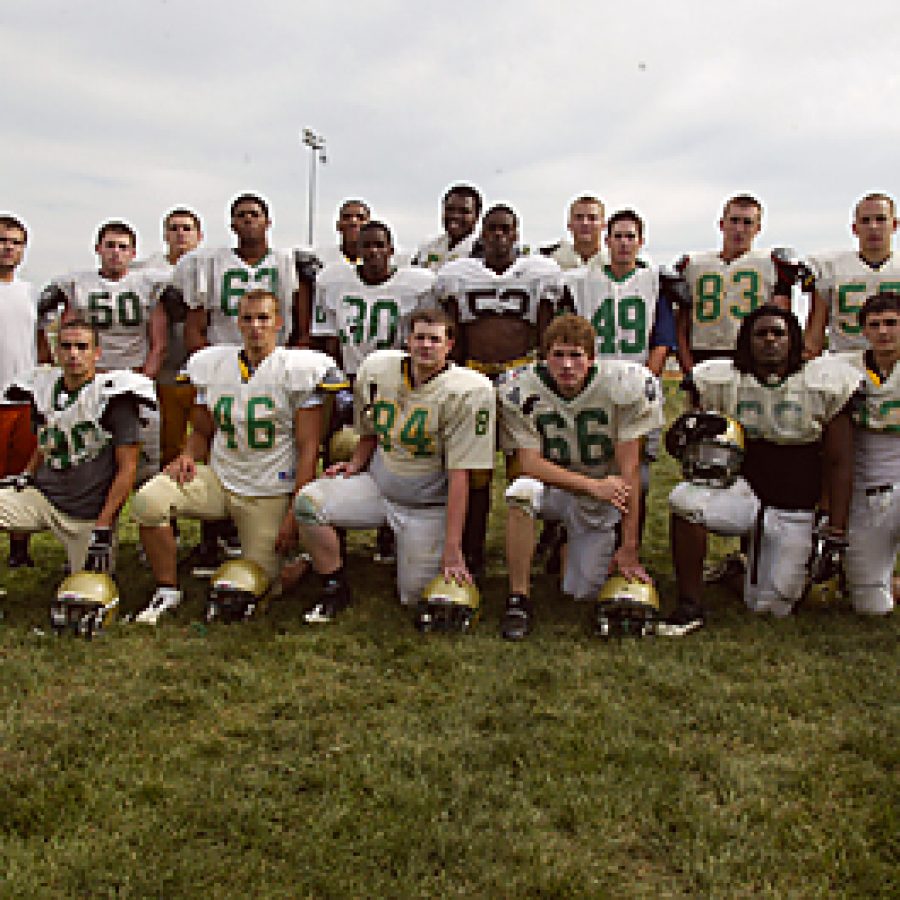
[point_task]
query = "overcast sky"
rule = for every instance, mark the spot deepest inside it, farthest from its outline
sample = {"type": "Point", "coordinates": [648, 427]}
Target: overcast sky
{"type": "Point", "coordinates": [124, 109]}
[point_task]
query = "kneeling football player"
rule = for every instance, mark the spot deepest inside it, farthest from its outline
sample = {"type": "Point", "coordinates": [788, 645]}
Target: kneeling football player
{"type": "Point", "coordinates": [424, 422]}
{"type": "Point", "coordinates": [255, 441]}
{"type": "Point", "coordinates": [795, 419]}
{"type": "Point", "coordinates": [575, 426]}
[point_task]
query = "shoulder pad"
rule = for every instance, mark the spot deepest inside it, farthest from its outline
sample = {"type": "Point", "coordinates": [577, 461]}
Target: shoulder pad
{"type": "Point", "coordinates": [714, 371]}
{"type": "Point", "coordinates": [628, 382]}
{"type": "Point", "coordinates": [832, 374]}
{"type": "Point", "coordinates": [201, 365]}
{"type": "Point", "coordinates": [121, 382]}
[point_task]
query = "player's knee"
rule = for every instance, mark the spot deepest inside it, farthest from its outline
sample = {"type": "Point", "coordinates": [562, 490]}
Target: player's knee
{"type": "Point", "coordinates": [872, 600]}
{"type": "Point", "coordinates": [150, 506]}
{"type": "Point", "coordinates": [684, 502]}
{"type": "Point", "coordinates": [524, 494]}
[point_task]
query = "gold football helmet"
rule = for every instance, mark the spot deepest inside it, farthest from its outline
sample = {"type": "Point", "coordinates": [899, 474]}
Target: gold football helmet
{"type": "Point", "coordinates": [342, 445]}
{"type": "Point", "coordinates": [86, 603]}
{"type": "Point", "coordinates": [447, 606]}
{"type": "Point", "coordinates": [626, 608]}
{"type": "Point", "coordinates": [238, 590]}
{"type": "Point", "coordinates": [710, 447]}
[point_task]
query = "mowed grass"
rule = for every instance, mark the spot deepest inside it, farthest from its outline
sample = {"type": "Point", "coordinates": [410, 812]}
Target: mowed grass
{"type": "Point", "coordinates": [756, 758]}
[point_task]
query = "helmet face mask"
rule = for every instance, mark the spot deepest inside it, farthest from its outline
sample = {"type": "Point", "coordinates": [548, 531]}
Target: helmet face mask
{"type": "Point", "coordinates": [447, 607]}
{"type": "Point", "coordinates": [712, 463]}
{"type": "Point", "coordinates": [238, 590]}
{"type": "Point", "coordinates": [626, 608]}
{"type": "Point", "coordinates": [86, 603]}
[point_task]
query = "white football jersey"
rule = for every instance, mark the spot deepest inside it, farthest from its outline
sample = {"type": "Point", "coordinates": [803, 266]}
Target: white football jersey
{"type": "Point", "coordinates": [567, 257]}
{"type": "Point", "coordinates": [876, 420]}
{"type": "Point", "coordinates": [215, 280]}
{"type": "Point", "coordinates": [70, 432]}
{"type": "Point", "coordinates": [120, 310]}
{"type": "Point", "coordinates": [844, 281]}
{"type": "Point", "coordinates": [366, 317]}
{"type": "Point", "coordinates": [437, 252]}
{"type": "Point", "coordinates": [253, 450]}
{"type": "Point", "coordinates": [725, 293]}
{"type": "Point", "coordinates": [517, 292]}
{"type": "Point", "coordinates": [18, 321]}
{"type": "Point", "coordinates": [622, 310]}
{"type": "Point", "coordinates": [793, 411]}
{"type": "Point", "coordinates": [446, 423]}
{"type": "Point", "coordinates": [621, 401]}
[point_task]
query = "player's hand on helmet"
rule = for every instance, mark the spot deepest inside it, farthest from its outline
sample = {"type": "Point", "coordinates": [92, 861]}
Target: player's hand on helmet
{"type": "Point", "coordinates": [287, 539]}
{"type": "Point", "coordinates": [342, 468]}
{"type": "Point", "coordinates": [614, 490]}
{"type": "Point", "coordinates": [99, 554]}
{"type": "Point", "coordinates": [626, 562]}
{"type": "Point", "coordinates": [182, 469]}
{"type": "Point", "coordinates": [453, 566]}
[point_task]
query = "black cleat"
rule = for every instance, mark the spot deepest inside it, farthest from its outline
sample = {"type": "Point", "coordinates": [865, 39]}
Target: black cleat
{"type": "Point", "coordinates": [333, 600]}
{"type": "Point", "coordinates": [385, 545]}
{"type": "Point", "coordinates": [19, 558]}
{"type": "Point", "coordinates": [688, 616]}
{"type": "Point", "coordinates": [516, 623]}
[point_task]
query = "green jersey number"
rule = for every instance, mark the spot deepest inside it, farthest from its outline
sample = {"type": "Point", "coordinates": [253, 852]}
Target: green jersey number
{"type": "Point", "coordinates": [850, 299]}
{"type": "Point", "coordinates": [708, 293]}
{"type": "Point", "coordinates": [61, 450]}
{"type": "Point", "coordinates": [105, 312]}
{"type": "Point", "coordinates": [364, 323]}
{"type": "Point", "coordinates": [631, 315]}
{"type": "Point", "coordinates": [594, 446]}
{"type": "Point", "coordinates": [235, 283]}
{"type": "Point", "coordinates": [260, 430]}
{"type": "Point", "coordinates": [887, 417]}
{"type": "Point", "coordinates": [414, 435]}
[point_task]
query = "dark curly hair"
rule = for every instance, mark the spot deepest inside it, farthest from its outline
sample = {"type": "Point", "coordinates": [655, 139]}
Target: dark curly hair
{"type": "Point", "coordinates": [743, 358]}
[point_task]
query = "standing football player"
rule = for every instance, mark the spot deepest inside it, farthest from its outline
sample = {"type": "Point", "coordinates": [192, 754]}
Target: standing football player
{"type": "Point", "coordinates": [845, 279]}
{"type": "Point", "coordinates": [88, 434]}
{"type": "Point", "coordinates": [182, 232]}
{"type": "Point", "coordinates": [796, 425]}
{"type": "Point", "coordinates": [254, 443]}
{"type": "Point", "coordinates": [460, 210]}
{"type": "Point", "coordinates": [875, 508]}
{"type": "Point", "coordinates": [132, 323]}
{"type": "Point", "coordinates": [18, 334]}
{"type": "Point", "coordinates": [575, 424]}
{"type": "Point", "coordinates": [585, 223]}
{"type": "Point", "coordinates": [352, 215]}
{"type": "Point", "coordinates": [727, 285]}
{"type": "Point", "coordinates": [424, 424]}
{"type": "Point", "coordinates": [500, 305]}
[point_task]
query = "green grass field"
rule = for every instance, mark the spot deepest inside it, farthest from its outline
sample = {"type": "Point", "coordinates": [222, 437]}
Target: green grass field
{"type": "Point", "coordinates": [755, 758]}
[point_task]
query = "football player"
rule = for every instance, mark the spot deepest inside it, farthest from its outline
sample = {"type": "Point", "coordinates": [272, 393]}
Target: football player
{"type": "Point", "coordinates": [18, 353]}
{"type": "Point", "coordinates": [500, 305]}
{"type": "Point", "coordinates": [424, 424]}
{"type": "Point", "coordinates": [874, 533]}
{"type": "Point", "coordinates": [460, 210]}
{"type": "Point", "coordinates": [845, 279]}
{"type": "Point", "coordinates": [585, 223]}
{"type": "Point", "coordinates": [352, 215]}
{"type": "Point", "coordinates": [727, 285]}
{"type": "Point", "coordinates": [796, 425]}
{"type": "Point", "coordinates": [213, 281]}
{"type": "Point", "coordinates": [254, 442]}
{"type": "Point", "coordinates": [362, 309]}
{"type": "Point", "coordinates": [575, 424]}
{"type": "Point", "coordinates": [132, 323]}
{"type": "Point", "coordinates": [182, 232]}
{"type": "Point", "coordinates": [88, 432]}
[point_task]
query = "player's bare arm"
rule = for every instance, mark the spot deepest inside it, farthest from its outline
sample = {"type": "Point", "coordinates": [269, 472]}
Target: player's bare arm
{"type": "Point", "coordinates": [358, 462]}
{"type": "Point", "coordinates": [157, 341]}
{"type": "Point", "coordinates": [837, 447]}
{"type": "Point", "coordinates": [626, 559]}
{"type": "Point", "coordinates": [183, 468]}
{"type": "Point", "coordinates": [453, 562]}
{"type": "Point", "coordinates": [126, 469]}
{"type": "Point", "coordinates": [195, 326]}
{"type": "Point", "coordinates": [307, 435]}
{"type": "Point", "coordinates": [814, 333]}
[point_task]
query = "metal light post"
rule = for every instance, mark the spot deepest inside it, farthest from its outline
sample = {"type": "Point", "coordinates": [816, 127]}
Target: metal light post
{"type": "Point", "coordinates": [316, 144]}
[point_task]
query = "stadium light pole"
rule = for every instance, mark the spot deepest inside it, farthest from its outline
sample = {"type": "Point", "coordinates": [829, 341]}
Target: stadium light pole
{"type": "Point", "coordinates": [316, 144]}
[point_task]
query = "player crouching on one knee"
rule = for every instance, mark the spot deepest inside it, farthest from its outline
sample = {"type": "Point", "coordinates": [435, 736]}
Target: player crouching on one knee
{"type": "Point", "coordinates": [875, 508]}
{"type": "Point", "coordinates": [796, 426]}
{"type": "Point", "coordinates": [424, 422]}
{"type": "Point", "coordinates": [575, 426]}
{"type": "Point", "coordinates": [257, 419]}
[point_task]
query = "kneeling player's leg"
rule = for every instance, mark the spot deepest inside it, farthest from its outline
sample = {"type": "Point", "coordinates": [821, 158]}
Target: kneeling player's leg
{"type": "Point", "coordinates": [162, 499]}
{"type": "Point", "coordinates": [258, 520]}
{"type": "Point", "coordinates": [523, 499]}
{"type": "Point", "coordinates": [592, 542]}
{"type": "Point", "coordinates": [874, 535]}
{"type": "Point", "coordinates": [420, 542]}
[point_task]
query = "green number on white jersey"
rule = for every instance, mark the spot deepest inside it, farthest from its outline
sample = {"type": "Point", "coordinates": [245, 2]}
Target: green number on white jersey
{"type": "Point", "coordinates": [103, 313]}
